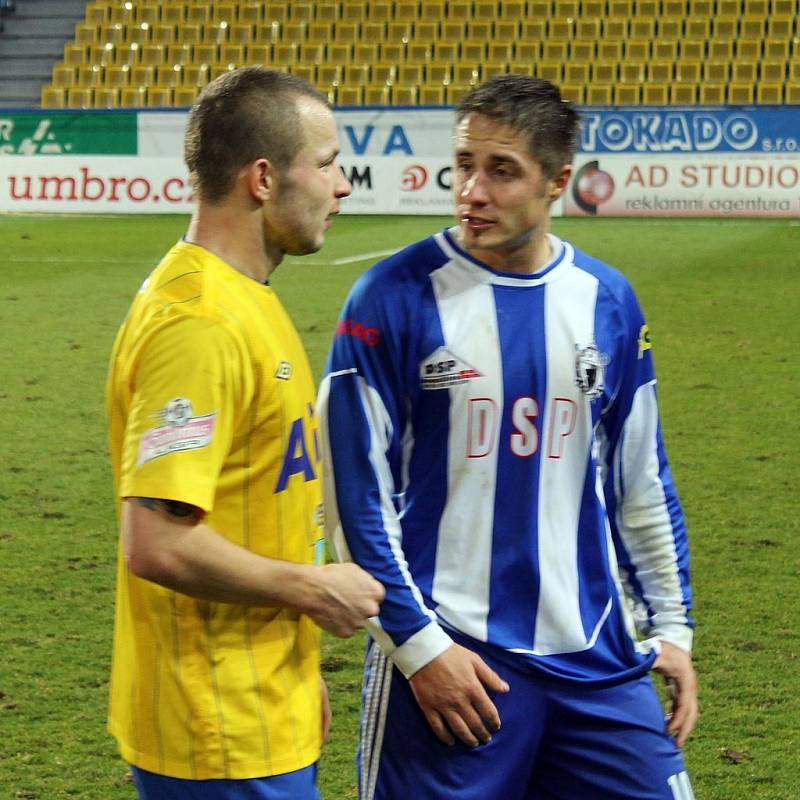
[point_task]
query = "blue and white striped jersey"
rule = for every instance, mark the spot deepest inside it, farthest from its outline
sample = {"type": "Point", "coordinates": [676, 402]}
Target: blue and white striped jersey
{"type": "Point", "coordinates": [493, 456]}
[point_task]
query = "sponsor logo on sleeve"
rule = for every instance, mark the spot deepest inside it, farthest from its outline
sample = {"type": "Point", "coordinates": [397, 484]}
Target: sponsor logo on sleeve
{"type": "Point", "coordinates": [180, 430]}
{"type": "Point", "coordinates": [284, 371]}
{"type": "Point", "coordinates": [644, 340]}
{"type": "Point", "coordinates": [370, 335]}
{"type": "Point", "coordinates": [443, 369]}
{"type": "Point", "coordinates": [590, 366]}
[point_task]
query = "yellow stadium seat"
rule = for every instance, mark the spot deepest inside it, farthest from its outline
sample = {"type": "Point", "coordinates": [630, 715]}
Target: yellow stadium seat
{"type": "Point", "coordinates": [688, 71]}
{"type": "Point", "coordinates": [466, 74]}
{"type": "Point", "coordinates": [293, 32]}
{"type": "Point", "coordinates": [339, 53]}
{"type": "Point", "coordinates": [637, 49]}
{"type": "Point", "coordinates": [599, 94]}
{"type": "Point", "coordinates": [740, 93]}
{"type": "Point", "coordinates": [53, 97]}
{"type": "Point", "coordinates": [485, 9]}
{"type": "Point", "coordinates": [744, 72]}
{"type": "Point", "coordinates": [691, 50]}
{"type": "Point", "coordinates": [86, 33]}
{"type": "Point", "coordinates": [605, 72]}
{"type": "Point", "coordinates": [380, 12]}
{"type": "Point", "coordinates": [308, 72]}
{"type": "Point", "coordinates": [152, 54]}
{"type": "Point", "coordinates": [399, 31]}
{"type": "Point", "coordinates": [259, 53]}
{"type": "Point", "coordinates": [473, 52]}
{"type": "Point", "coordinates": [105, 97]}
{"type": "Point", "coordinates": [769, 94]}
{"type": "Point", "coordinates": [712, 94]}
{"type": "Point", "coordinates": [776, 48]}
{"type": "Point", "coordinates": [753, 28]}
{"type": "Point", "coordinates": [419, 52]}
{"type": "Point", "coordinates": [566, 8]}
{"type": "Point", "coordinates": [372, 32]}
{"type": "Point", "coordinates": [410, 74]}
{"type": "Point", "coordinates": [456, 92]}
{"type": "Point", "coordinates": [75, 54]}
{"type": "Point", "coordinates": [405, 12]}
{"type": "Point", "coordinates": [404, 95]}
{"type": "Point", "coordinates": [728, 8]}
{"type": "Point", "coordinates": [576, 72]}
{"type": "Point", "coordinates": [555, 51]}
{"type": "Point", "coordinates": [673, 8]}
{"type": "Point", "coordinates": [506, 31]}
{"type": "Point", "coordinates": [622, 9]}
{"type": "Point", "coordinates": [647, 8]}
{"type": "Point", "coordinates": [116, 76]}
{"type": "Point", "coordinates": [549, 70]}
{"type": "Point", "coordinates": [582, 51]}
{"type": "Point", "coordinates": [162, 33]}
{"type": "Point", "coordinates": [353, 11]}
{"type": "Point", "coordinates": [512, 10]}
{"type": "Point", "coordinates": [392, 53]}
{"type": "Point", "coordinates": [231, 54]}
{"type": "Point", "coordinates": [383, 73]}
{"type": "Point", "coordinates": [142, 75]}
{"type": "Point", "coordinates": [479, 30]}
{"type": "Point", "coordinates": [431, 94]}
{"type": "Point", "coordinates": [560, 29]}
{"type": "Point", "coordinates": [683, 94]}
{"type": "Point", "coordinates": [697, 29]}
{"type": "Point", "coordinates": [615, 29]}
{"type": "Point", "coordinates": [794, 71]}
{"type": "Point", "coordinates": [196, 75]}
{"type": "Point", "coordinates": [665, 50]}
{"type": "Point", "coordinates": [491, 70]}
{"type": "Point", "coordinates": [702, 8]}
{"type": "Point", "coordinates": [499, 53]}
{"type": "Point", "coordinates": [241, 32]}
{"type": "Point", "coordinates": [783, 7]}
{"type": "Point", "coordinates": [669, 28]}
{"type": "Point", "coordinates": [79, 97]}
{"type": "Point", "coordinates": [98, 13]}
{"type": "Point", "coordinates": [725, 28]}
{"type": "Point", "coordinates": [532, 30]}
{"type": "Point", "coordinates": [772, 71]}
{"type": "Point", "coordinates": [205, 53]}
{"type": "Point", "coordinates": [184, 96]}
{"type": "Point", "coordinates": [522, 67]}
{"type": "Point", "coordinates": [200, 14]}
{"type": "Point", "coordinates": [90, 75]}
{"type": "Point", "coordinates": [329, 74]}
{"type": "Point", "coordinates": [632, 71]}
{"type": "Point", "coordinates": [438, 73]}
{"type": "Point", "coordinates": [250, 12]}
{"type": "Point", "coordinates": [346, 33]}
{"type": "Point", "coordinates": [268, 32]}
{"type": "Point", "coordinates": [190, 32]}
{"type": "Point", "coordinates": [716, 71]}
{"type": "Point", "coordinates": [452, 31]}
{"type": "Point", "coordinates": [609, 51]}
{"type": "Point", "coordinates": [320, 31]}
{"type": "Point", "coordinates": [792, 94]}
{"type": "Point", "coordinates": [659, 71]}
{"type": "Point", "coordinates": [720, 51]}
{"type": "Point", "coordinates": [759, 7]}
{"type": "Point", "coordinates": [169, 75]}
{"type": "Point", "coordinates": [171, 15]}
{"type": "Point", "coordinates": [302, 12]}
{"type": "Point", "coordinates": [593, 9]}
{"type": "Point", "coordinates": [308, 53]}
{"type": "Point", "coordinates": [574, 92]}
{"type": "Point", "coordinates": [347, 95]}
{"type": "Point", "coordinates": [224, 12]}
{"type": "Point", "coordinates": [655, 94]}
{"type": "Point", "coordinates": [179, 53]}
{"type": "Point", "coordinates": [365, 54]}
{"type": "Point", "coordinates": [527, 51]}
{"type": "Point", "coordinates": [132, 96]}
{"type": "Point", "coordinates": [538, 9]}
{"type": "Point", "coordinates": [643, 28]}
{"type": "Point", "coordinates": [446, 51]}
{"type": "Point", "coordinates": [433, 10]}
{"type": "Point", "coordinates": [63, 75]}
{"type": "Point", "coordinates": [627, 94]}
{"type": "Point", "coordinates": [159, 96]}
{"type": "Point", "coordinates": [355, 74]}
{"type": "Point", "coordinates": [377, 94]}
{"type": "Point", "coordinates": [588, 29]}
{"type": "Point", "coordinates": [121, 12]}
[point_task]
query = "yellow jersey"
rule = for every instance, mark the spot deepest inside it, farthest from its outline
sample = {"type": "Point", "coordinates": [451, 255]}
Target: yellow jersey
{"type": "Point", "coordinates": [211, 402]}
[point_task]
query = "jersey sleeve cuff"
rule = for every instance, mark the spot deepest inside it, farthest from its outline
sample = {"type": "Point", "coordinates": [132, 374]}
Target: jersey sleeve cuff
{"type": "Point", "coordinates": [680, 635]}
{"type": "Point", "coordinates": [417, 651]}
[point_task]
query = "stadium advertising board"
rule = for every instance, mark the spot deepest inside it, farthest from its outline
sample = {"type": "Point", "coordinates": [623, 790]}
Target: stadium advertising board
{"type": "Point", "coordinates": [632, 162]}
{"type": "Point", "coordinates": [738, 162]}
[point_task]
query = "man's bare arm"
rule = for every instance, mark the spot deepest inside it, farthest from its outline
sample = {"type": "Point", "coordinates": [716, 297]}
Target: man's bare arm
{"type": "Point", "coordinates": [168, 543]}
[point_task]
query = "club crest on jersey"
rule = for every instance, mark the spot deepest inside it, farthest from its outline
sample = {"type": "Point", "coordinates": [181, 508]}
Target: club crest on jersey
{"type": "Point", "coordinates": [443, 369]}
{"type": "Point", "coordinates": [590, 366]}
{"type": "Point", "coordinates": [180, 430]}
{"type": "Point", "coordinates": [284, 371]}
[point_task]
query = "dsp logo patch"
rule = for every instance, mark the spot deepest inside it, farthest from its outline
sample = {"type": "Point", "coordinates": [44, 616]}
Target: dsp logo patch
{"type": "Point", "coordinates": [414, 178]}
{"type": "Point", "coordinates": [443, 369]}
{"type": "Point", "coordinates": [370, 335]}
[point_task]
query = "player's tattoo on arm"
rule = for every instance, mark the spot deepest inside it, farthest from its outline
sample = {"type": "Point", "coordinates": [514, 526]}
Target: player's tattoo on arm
{"type": "Point", "coordinates": [185, 512]}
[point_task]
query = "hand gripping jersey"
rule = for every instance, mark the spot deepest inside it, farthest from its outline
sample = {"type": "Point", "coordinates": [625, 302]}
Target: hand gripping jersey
{"type": "Point", "coordinates": [495, 459]}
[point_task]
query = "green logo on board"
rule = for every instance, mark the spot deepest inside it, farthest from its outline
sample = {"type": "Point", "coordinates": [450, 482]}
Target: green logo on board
{"type": "Point", "coordinates": [68, 134]}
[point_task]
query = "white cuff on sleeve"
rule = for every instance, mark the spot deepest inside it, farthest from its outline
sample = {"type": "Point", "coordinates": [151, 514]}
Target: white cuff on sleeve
{"type": "Point", "coordinates": [425, 645]}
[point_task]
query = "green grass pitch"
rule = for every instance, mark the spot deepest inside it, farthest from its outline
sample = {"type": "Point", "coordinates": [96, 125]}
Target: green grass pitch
{"type": "Point", "coordinates": [722, 300]}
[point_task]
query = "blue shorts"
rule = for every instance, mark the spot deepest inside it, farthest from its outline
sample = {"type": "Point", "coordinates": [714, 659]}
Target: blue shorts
{"type": "Point", "coordinates": [298, 785]}
{"type": "Point", "coordinates": [556, 742]}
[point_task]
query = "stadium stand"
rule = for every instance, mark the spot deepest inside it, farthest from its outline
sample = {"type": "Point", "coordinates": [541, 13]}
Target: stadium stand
{"type": "Point", "coordinates": [407, 52]}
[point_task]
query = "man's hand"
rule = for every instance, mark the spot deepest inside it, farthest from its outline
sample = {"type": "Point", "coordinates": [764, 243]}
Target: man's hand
{"type": "Point", "coordinates": [452, 692]}
{"type": "Point", "coordinates": [345, 599]}
{"type": "Point", "coordinates": [681, 682]}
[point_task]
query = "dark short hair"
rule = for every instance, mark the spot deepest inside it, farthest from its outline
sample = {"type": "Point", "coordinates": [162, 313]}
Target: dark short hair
{"type": "Point", "coordinates": [533, 107]}
{"type": "Point", "coordinates": [243, 115]}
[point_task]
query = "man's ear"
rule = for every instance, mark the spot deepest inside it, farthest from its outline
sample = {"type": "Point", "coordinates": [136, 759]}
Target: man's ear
{"type": "Point", "coordinates": [558, 184]}
{"type": "Point", "coordinates": [260, 178]}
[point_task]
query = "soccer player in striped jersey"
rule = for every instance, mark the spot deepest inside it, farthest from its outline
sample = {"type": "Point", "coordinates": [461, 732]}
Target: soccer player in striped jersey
{"type": "Point", "coordinates": [493, 456]}
{"type": "Point", "coordinates": [216, 692]}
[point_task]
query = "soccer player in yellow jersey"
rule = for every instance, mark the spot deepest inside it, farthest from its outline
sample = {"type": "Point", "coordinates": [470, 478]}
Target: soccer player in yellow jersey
{"type": "Point", "coordinates": [216, 690]}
